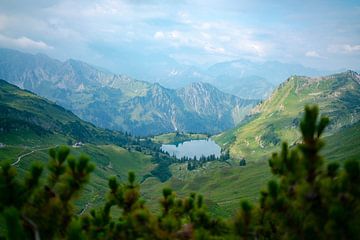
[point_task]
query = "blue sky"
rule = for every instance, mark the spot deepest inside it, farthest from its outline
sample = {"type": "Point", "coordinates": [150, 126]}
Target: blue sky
{"type": "Point", "coordinates": [319, 34]}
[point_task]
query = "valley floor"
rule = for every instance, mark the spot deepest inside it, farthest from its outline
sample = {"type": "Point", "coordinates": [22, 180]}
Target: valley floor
{"type": "Point", "coordinates": [223, 184]}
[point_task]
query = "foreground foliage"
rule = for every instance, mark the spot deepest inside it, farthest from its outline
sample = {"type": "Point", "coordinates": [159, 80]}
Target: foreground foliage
{"type": "Point", "coordinates": [307, 200]}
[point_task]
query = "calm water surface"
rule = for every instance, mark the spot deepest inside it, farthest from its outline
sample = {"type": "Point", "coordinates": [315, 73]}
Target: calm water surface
{"type": "Point", "coordinates": [193, 148]}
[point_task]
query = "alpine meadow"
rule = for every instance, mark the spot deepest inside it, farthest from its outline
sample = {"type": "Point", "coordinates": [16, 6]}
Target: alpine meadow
{"type": "Point", "coordinates": [181, 119]}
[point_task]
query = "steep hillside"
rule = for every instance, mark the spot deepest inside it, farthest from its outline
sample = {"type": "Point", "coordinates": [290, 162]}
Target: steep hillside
{"type": "Point", "coordinates": [276, 119]}
{"type": "Point", "coordinates": [30, 125]}
{"type": "Point", "coordinates": [259, 135]}
{"type": "Point", "coordinates": [208, 101]}
{"type": "Point", "coordinates": [42, 73]}
{"type": "Point", "coordinates": [344, 144]}
{"type": "Point", "coordinates": [24, 114]}
{"type": "Point", "coordinates": [199, 107]}
{"type": "Point", "coordinates": [223, 184]}
{"type": "Point", "coordinates": [110, 160]}
{"type": "Point", "coordinates": [119, 102]}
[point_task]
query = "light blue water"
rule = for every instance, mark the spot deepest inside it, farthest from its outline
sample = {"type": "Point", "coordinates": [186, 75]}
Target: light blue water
{"type": "Point", "coordinates": [193, 148]}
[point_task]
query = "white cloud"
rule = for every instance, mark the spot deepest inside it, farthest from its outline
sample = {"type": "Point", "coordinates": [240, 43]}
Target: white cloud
{"type": "Point", "coordinates": [211, 49]}
{"type": "Point", "coordinates": [23, 42]}
{"type": "Point", "coordinates": [216, 37]}
{"type": "Point", "coordinates": [225, 38]}
{"type": "Point", "coordinates": [195, 28]}
{"type": "Point", "coordinates": [313, 54]}
{"type": "Point", "coordinates": [344, 48]}
{"type": "Point", "coordinates": [3, 21]}
{"type": "Point", "coordinates": [107, 8]}
{"type": "Point", "coordinates": [159, 35]}
{"type": "Point", "coordinates": [176, 34]}
{"type": "Point", "coordinates": [184, 17]}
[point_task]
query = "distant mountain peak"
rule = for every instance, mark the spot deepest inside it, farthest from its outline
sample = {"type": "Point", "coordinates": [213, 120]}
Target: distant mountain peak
{"type": "Point", "coordinates": [122, 103]}
{"type": "Point", "coordinates": [352, 73]}
{"type": "Point", "coordinates": [201, 86]}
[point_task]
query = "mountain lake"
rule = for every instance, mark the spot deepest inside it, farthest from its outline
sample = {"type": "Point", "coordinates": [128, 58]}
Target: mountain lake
{"type": "Point", "coordinates": [193, 148]}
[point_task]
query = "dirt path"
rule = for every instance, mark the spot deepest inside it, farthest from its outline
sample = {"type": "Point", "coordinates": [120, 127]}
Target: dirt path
{"type": "Point", "coordinates": [29, 153]}
{"type": "Point", "coordinates": [87, 205]}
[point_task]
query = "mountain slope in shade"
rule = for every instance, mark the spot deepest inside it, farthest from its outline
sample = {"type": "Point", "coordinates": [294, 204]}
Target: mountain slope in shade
{"type": "Point", "coordinates": [175, 109]}
{"type": "Point", "coordinates": [223, 184]}
{"type": "Point", "coordinates": [119, 102]}
{"type": "Point", "coordinates": [26, 116]}
{"type": "Point", "coordinates": [30, 125]}
{"type": "Point", "coordinates": [277, 119]}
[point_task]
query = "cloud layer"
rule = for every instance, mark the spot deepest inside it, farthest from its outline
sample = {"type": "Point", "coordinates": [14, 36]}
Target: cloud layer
{"type": "Point", "coordinates": [324, 34]}
{"type": "Point", "coordinates": [23, 43]}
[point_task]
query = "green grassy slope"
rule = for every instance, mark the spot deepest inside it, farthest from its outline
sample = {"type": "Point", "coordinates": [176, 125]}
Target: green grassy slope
{"type": "Point", "coordinates": [31, 125]}
{"type": "Point", "coordinates": [276, 120]}
{"type": "Point", "coordinates": [110, 160]}
{"type": "Point", "coordinates": [42, 130]}
{"type": "Point", "coordinates": [338, 96]}
{"type": "Point", "coordinates": [344, 144]}
{"type": "Point", "coordinates": [224, 184]}
{"type": "Point", "coordinates": [26, 118]}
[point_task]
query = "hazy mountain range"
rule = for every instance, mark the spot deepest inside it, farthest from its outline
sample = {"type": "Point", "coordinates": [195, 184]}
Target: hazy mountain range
{"type": "Point", "coordinates": [243, 78]}
{"type": "Point", "coordinates": [120, 102]}
{"type": "Point", "coordinates": [29, 120]}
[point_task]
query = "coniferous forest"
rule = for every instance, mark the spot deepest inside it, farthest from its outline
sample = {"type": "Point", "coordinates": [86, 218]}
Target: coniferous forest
{"type": "Point", "coordinates": [307, 198]}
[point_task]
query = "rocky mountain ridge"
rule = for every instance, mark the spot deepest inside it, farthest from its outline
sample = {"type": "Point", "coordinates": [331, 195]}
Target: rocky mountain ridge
{"type": "Point", "coordinates": [121, 103]}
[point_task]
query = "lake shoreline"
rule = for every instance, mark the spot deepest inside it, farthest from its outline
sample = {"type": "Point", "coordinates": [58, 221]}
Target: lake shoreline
{"type": "Point", "coordinates": [193, 149]}
{"type": "Point", "coordinates": [178, 137]}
